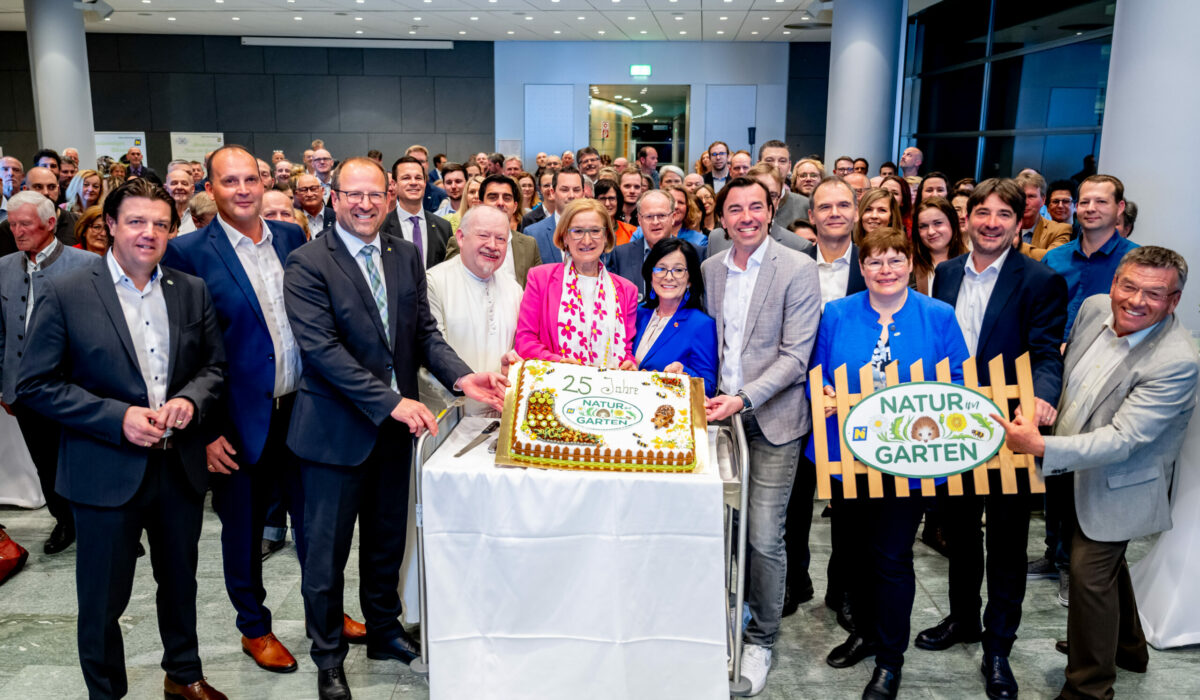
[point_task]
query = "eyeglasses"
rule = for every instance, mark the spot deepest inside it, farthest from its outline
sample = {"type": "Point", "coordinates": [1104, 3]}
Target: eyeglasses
{"type": "Point", "coordinates": [356, 197]}
{"type": "Point", "coordinates": [653, 217]}
{"type": "Point", "coordinates": [578, 234]}
{"type": "Point", "coordinates": [310, 190]}
{"type": "Point", "coordinates": [322, 160]}
{"type": "Point", "coordinates": [875, 265]}
{"type": "Point", "coordinates": [1061, 202]}
{"type": "Point", "coordinates": [1128, 289]}
{"type": "Point", "coordinates": [674, 272]}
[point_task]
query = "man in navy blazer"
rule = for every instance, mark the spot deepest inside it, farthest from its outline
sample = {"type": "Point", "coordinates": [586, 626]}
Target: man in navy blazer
{"type": "Point", "coordinates": [357, 303]}
{"type": "Point", "coordinates": [240, 257]}
{"type": "Point", "coordinates": [130, 361]}
{"type": "Point", "coordinates": [568, 186]}
{"type": "Point", "coordinates": [654, 211]}
{"type": "Point", "coordinates": [1007, 304]}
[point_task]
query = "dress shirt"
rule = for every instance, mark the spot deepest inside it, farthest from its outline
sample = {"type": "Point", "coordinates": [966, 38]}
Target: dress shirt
{"type": "Point", "coordinates": [1087, 275]}
{"type": "Point", "coordinates": [316, 222]}
{"type": "Point", "coordinates": [149, 327]}
{"type": "Point", "coordinates": [185, 222]}
{"type": "Point", "coordinates": [445, 209]}
{"type": "Point", "coordinates": [739, 288]}
{"type": "Point", "coordinates": [407, 227]}
{"type": "Point", "coordinates": [1098, 362]}
{"type": "Point", "coordinates": [262, 267]}
{"type": "Point", "coordinates": [354, 244]}
{"type": "Point", "coordinates": [973, 298]}
{"type": "Point", "coordinates": [654, 328]}
{"type": "Point", "coordinates": [834, 276]}
{"type": "Point", "coordinates": [719, 182]}
{"type": "Point", "coordinates": [31, 266]}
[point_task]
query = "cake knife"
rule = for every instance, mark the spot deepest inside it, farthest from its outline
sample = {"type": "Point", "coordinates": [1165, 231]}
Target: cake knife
{"type": "Point", "coordinates": [491, 428]}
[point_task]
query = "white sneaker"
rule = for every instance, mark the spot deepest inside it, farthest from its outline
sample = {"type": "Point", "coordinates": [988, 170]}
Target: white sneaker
{"type": "Point", "coordinates": [756, 662]}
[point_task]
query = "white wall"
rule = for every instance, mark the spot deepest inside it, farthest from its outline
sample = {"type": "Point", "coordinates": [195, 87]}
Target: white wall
{"type": "Point", "coordinates": [582, 64]}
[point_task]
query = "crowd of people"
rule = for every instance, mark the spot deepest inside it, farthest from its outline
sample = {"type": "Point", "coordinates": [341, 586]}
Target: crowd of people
{"type": "Point", "coordinates": [262, 325]}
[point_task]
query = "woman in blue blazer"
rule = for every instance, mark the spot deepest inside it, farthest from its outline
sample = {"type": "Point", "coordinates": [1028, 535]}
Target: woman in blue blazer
{"type": "Point", "coordinates": [674, 334]}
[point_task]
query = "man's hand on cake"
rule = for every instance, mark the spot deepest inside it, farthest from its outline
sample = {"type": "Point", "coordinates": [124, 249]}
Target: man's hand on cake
{"type": "Point", "coordinates": [674, 368]}
{"type": "Point", "coordinates": [628, 365]}
{"type": "Point", "coordinates": [485, 387]}
{"type": "Point", "coordinates": [722, 407]}
{"type": "Point", "coordinates": [416, 416]}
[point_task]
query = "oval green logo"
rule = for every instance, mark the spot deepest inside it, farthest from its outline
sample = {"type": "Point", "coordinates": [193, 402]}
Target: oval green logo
{"type": "Point", "coordinates": [595, 413]}
{"type": "Point", "coordinates": [923, 430]}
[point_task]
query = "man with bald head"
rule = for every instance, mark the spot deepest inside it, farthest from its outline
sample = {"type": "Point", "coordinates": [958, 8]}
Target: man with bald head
{"type": "Point", "coordinates": [44, 182]}
{"type": "Point", "coordinates": [310, 199]}
{"type": "Point", "coordinates": [283, 172]}
{"type": "Point", "coordinates": [858, 182]}
{"type": "Point", "coordinates": [322, 163]}
{"type": "Point", "coordinates": [11, 174]}
{"type": "Point", "coordinates": [138, 168]}
{"type": "Point", "coordinates": [910, 161]}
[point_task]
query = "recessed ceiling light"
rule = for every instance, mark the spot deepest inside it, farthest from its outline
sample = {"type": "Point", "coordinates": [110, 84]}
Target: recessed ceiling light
{"type": "Point", "coordinates": [220, 1]}
{"type": "Point", "coordinates": [643, 31]}
{"type": "Point", "coordinates": [462, 32]}
{"type": "Point", "coordinates": [683, 32]}
{"type": "Point", "coordinates": [358, 31]}
{"type": "Point", "coordinates": [360, 1]}
{"type": "Point", "coordinates": [616, 97]}
{"type": "Point", "coordinates": [678, 18]}
{"type": "Point", "coordinates": [358, 19]}
{"type": "Point", "coordinates": [787, 32]}
{"type": "Point", "coordinates": [557, 32]}
{"type": "Point", "coordinates": [298, 18]}
{"type": "Point", "coordinates": [527, 18]}
{"type": "Point", "coordinates": [630, 18]}
{"type": "Point", "coordinates": [235, 18]}
{"type": "Point", "coordinates": [600, 32]}
{"type": "Point", "coordinates": [754, 32]}
{"type": "Point", "coordinates": [108, 19]}
{"type": "Point", "coordinates": [416, 19]}
{"type": "Point", "coordinates": [766, 19]}
{"type": "Point", "coordinates": [412, 31]}
{"type": "Point", "coordinates": [510, 32]}
{"type": "Point", "coordinates": [720, 32]}
{"type": "Point", "coordinates": [170, 19]}
{"type": "Point", "coordinates": [145, 2]}
{"type": "Point", "coordinates": [580, 18]}
{"type": "Point", "coordinates": [474, 19]}
{"type": "Point", "coordinates": [724, 18]}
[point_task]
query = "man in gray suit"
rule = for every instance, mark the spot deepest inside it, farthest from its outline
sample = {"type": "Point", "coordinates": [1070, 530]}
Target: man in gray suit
{"type": "Point", "coordinates": [767, 303]}
{"type": "Point", "coordinates": [718, 242]}
{"type": "Point", "coordinates": [1131, 373]}
{"type": "Point", "coordinates": [40, 256]}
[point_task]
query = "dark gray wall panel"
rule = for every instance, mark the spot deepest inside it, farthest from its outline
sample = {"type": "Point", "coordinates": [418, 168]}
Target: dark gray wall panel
{"type": "Point", "coordinates": [393, 62]}
{"type": "Point", "coordinates": [306, 103]}
{"type": "Point", "coordinates": [160, 53]}
{"type": "Point", "coordinates": [288, 60]}
{"type": "Point", "coordinates": [103, 50]}
{"type": "Point", "coordinates": [8, 115]}
{"type": "Point", "coordinates": [417, 106]}
{"type": "Point", "coordinates": [183, 102]}
{"type": "Point", "coordinates": [808, 98]}
{"type": "Point", "coordinates": [369, 103]}
{"type": "Point", "coordinates": [293, 144]}
{"type": "Point", "coordinates": [459, 147]}
{"type": "Point", "coordinates": [22, 94]}
{"type": "Point", "coordinates": [244, 104]}
{"type": "Point", "coordinates": [346, 61]}
{"type": "Point", "coordinates": [469, 59]}
{"type": "Point", "coordinates": [243, 138]}
{"type": "Point", "coordinates": [460, 107]}
{"type": "Point", "coordinates": [225, 54]}
{"type": "Point", "coordinates": [20, 145]}
{"type": "Point", "coordinates": [121, 101]}
{"type": "Point", "coordinates": [345, 145]}
{"type": "Point", "coordinates": [394, 145]}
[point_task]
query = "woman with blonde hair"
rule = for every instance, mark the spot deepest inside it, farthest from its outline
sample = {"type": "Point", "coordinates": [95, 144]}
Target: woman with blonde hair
{"type": "Point", "coordinates": [806, 175]}
{"type": "Point", "coordinates": [877, 209]}
{"type": "Point", "coordinates": [84, 191]}
{"type": "Point", "coordinates": [470, 199]}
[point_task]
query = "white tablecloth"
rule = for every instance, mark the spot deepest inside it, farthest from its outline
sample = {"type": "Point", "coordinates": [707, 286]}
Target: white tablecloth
{"type": "Point", "coordinates": [19, 484]}
{"type": "Point", "coordinates": [556, 584]}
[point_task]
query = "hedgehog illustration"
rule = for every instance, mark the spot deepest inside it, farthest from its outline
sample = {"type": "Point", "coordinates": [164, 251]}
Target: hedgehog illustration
{"type": "Point", "coordinates": [925, 429]}
{"type": "Point", "coordinates": [663, 416]}
{"type": "Point", "coordinates": [603, 413]}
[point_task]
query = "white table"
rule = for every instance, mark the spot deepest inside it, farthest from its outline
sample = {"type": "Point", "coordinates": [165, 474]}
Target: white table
{"type": "Point", "coordinates": [571, 584]}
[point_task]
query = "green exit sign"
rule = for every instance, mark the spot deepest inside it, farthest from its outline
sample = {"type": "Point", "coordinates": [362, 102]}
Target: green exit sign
{"type": "Point", "coordinates": [639, 70]}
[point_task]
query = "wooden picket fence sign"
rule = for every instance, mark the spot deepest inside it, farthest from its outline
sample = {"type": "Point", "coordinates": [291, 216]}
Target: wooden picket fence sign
{"type": "Point", "coordinates": [1005, 460]}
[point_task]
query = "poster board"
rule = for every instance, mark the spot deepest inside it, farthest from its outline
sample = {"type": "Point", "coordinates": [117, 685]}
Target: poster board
{"type": "Point", "coordinates": [192, 145]}
{"type": "Point", "coordinates": [115, 144]}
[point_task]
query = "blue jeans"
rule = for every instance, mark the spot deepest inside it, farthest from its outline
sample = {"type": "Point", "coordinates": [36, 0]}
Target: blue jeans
{"type": "Point", "coordinates": [772, 471]}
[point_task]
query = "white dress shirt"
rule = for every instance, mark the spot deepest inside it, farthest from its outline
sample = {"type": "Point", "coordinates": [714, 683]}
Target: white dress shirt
{"type": "Point", "coordinates": [973, 298]}
{"type": "Point", "coordinates": [265, 272]}
{"type": "Point", "coordinates": [149, 327]}
{"type": "Point", "coordinates": [354, 244]}
{"type": "Point", "coordinates": [834, 276]}
{"type": "Point", "coordinates": [35, 265]}
{"type": "Point", "coordinates": [739, 288]}
{"type": "Point", "coordinates": [186, 225]}
{"type": "Point", "coordinates": [316, 222]}
{"type": "Point", "coordinates": [407, 227]}
{"type": "Point", "coordinates": [1098, 362]}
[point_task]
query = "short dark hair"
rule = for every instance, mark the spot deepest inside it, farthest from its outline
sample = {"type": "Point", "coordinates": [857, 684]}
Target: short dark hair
{"type": "Point", "coordinates": [694, 298]}
{"type": "Point", "coordinates": [502, 179]}
{"type": "Point", "coordinates": [934, 175]}
{"type": "Point", "coordinates": [569, 170]}
{"type": "Point", "coordinates": [605, 185]}
{"type": "Point", "coordinates": [375, 154]}
{"type": "Point", "coordinates": [452, 168]}
{"type": "Point", "coordinates": [406, 159]}
{"type": "Point", "coordinates": [889, 164]}
{"type": "Point", "coordinates": [335, 180]}
{"type": "Point", "coordinates": [882, 240]}
{"type": "Point", "coordinates": [586, 151]}
{"type": "Point", "coordinates": [736, 184]}
{"type": "Point", "coordinates": [138, 187]}
{"type": "Point", "coordinates": [1005, 188]}
{"type": "Point", "coordinates": [839, 159]}
{"type": "Point", "coordinates": [1065, 186]}
{"type": "Point", "coordinates": [1100, 178]}
{"type": "Point", "coordinates": [1130, 217]}
{"type": "Point", "coordinates": [773, 143]}
{"type": "Point", "coordinates": [496, 158]}
{"type": "Point", "coordinates": [863, 161]}
{"type": "Point", "coordinates": [47, 153]}
{"type": "Point", "coordinates": [438, 159]}
{"type": "Point", "coordinates": [644, 150]}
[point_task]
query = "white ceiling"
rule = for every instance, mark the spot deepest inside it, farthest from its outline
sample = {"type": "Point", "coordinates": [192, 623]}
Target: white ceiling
{"type": "Point", "coordinates": [466, 20]}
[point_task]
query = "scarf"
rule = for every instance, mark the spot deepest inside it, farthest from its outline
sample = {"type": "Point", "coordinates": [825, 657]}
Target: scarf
{"type": "Point", "coordinates": [594, 336]}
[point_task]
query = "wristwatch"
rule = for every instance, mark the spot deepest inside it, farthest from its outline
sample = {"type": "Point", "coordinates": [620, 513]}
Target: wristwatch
{"type": "Point", "coordinates": [746, 403]}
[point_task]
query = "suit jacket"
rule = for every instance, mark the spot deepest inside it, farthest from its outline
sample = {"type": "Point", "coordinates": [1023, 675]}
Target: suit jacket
{"type": "Point", "coordinates": [1124, 455]}
{"type": "Point", "coordinates": [1047, 234]}
{"type": "Point", "coordinates": [349, 355]}
{"type": "Point", "coordinates": [64, 231]}
{"type": "Point", "coordinates": [245, 416]}
{"type": "Point", "coordinates": [522, 248]}
{"type": "Point", "coordinates": [718, 243]}
{"type": "Point", "coordinates": [533, 216]}
{"type": "Point", "coordinates": [626, 261]}
{"type": "Point", "coordinates": [855, 283]}
{"type": "Point", "coordinates": [440, 231]}
{"type": "Point", "coordinates": [543, 233]}
{"type": "Point", "coordinates": [690, 338]}
{"type": "Point", "coordinates": [14, 286]}
{"type": "Point", "coordinates": [85, 375]}
{"type": "Point", "coordinates": [146, 173]}
{"type": "Point", "coordinates": [1026, 313]}
{"type": "Point", "coordinates": [433, 196]}
{"type": "Point", "coordinates": [537, 324]}
{"type": "Point", "coordinates": [780, 328]}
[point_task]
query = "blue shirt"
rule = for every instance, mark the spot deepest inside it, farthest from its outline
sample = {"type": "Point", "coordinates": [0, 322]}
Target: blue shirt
{"type": "Point", "coordinates": [1087, 275]}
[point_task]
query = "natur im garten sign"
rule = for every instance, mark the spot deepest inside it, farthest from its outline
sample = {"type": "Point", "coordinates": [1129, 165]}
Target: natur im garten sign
{"type": "Point", "coordinates": [923, 430]}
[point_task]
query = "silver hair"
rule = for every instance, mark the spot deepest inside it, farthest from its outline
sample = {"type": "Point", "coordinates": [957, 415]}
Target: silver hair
{"type": "Point", "coordinates": [670, 169]}
{"type": "Point", "coordinates": [648, 193]}
{"type": "Point", "coordinates": [1157, 257]}
{"type": "Point", "coordinates": [469, 217]}
{"type": "Point", "coordinates": [43, 205]}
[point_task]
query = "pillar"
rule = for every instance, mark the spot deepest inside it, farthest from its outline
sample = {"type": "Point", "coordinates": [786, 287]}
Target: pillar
{"type": "Point", "coordinates": [62, 92]}
{"type": "Point", "coordinates": [1149, 121]}
{"type": "Point", "coordinates": [865, 67]}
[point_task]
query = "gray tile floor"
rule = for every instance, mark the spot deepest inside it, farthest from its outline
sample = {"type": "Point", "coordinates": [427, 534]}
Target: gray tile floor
{"type": "Point", "coordinates": [38, 658]}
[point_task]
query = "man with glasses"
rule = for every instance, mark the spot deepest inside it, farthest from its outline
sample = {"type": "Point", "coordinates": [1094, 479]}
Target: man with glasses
{"type": "Point", "coordinates": [655, 211]}
{"type": "Point", "coordinates": [588, 159]}
{"type": "Point", "coordinates": [322, 163]}
{"type": "Point", "coordinates": [718, 158]}
{"type": "Point", "coordinates": [411, 221]}
{"type": "Point", "coordinates": [1060, 204]}
{"type": "Point", "coordinates": [843, 166]}
{"type": "Point", "coordinates": [500, 192]}
{"type": "Point", "coordinates": [310, 199]}
{"type": "Point", "coordinates": [545, 184]}
{"type": "Point", "coordinates": [568, 186]}
{"type": "Point", "coordinates": [768, 177]}
{"type": "Point", "coordinates": [861, 166]}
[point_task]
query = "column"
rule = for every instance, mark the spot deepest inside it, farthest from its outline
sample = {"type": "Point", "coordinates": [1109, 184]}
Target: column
{"type": "Point", "coordinates": [1149, 121]}
{"type": "Point", "coordinates": [62, 92]}
{"type": "Point", "coordinates": [865, 66]}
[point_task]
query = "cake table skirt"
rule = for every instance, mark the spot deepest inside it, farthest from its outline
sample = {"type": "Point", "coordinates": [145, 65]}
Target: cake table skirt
{"type": "Point", "coordinates": [19, 485]}
{"type": "Point", "coordinates": [571, 584]}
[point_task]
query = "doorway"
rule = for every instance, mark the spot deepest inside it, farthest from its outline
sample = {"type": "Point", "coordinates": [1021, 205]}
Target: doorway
{"type": "Point", "coordinates": [624, 118]}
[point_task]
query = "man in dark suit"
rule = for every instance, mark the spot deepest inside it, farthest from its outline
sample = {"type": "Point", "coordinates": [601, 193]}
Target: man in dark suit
{"type": "Point", "coordinates": [43, 181]}
{"type": "Point", "coordinates": [568, 186]}
{"type": "Point", "coordinates": [41, 257]}
{"type": "Point", "coordinates": [240, 257]}
{"type": "Point", "coordinates": [654, 211]}
{"type": "Point", "coordinates": [139, 169]}
{"type": "Point", "coordinates": [411, 221]}
{"type": "Point", "coordinates": [1007, 304]}
{"type": "Point", "coordinates": [356, 301]}
{"type": "Point", "coordinates": [130, 361]}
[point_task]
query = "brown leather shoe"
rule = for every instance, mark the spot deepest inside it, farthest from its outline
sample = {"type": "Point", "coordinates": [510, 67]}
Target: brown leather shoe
{"type": "Point", "coordinates": [269, 653]}
{"type": "Point", "coordinates": [200, 690]}
{"type": "Point", "coordinates": [353, 631]}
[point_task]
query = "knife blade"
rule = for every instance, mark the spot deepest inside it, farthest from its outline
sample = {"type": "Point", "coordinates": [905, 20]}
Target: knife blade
{"type": "Point", "coordinates": [491, 428]}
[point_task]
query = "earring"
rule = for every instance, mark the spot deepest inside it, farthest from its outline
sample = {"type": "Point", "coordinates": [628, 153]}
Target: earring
{"type": "Point", "coordinates": [652, 295]}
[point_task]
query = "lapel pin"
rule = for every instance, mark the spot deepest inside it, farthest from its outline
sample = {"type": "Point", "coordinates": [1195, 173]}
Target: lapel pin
{"type": "Point", "coordinates": [677, 324]}
{"type": "Point", "coordinates": [171, 282]}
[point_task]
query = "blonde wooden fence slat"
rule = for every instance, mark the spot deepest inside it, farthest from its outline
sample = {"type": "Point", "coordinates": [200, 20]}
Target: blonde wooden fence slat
{"type": "Point", "coordinates": [816, 383]}
{"type": "Point", "coordinates": [866, 381]}
{"type": "Point", "coordinates": [916, 373]}
{"type": "Point", "coordinates": [971, 381]}
{"type": "Point", "coordinates": [954, 485]}
{"type": "Point", "coordinates": [1008, 477]}
{"type": "Point", "coordinates": [892, 372]}
{"type": "Point", "coordinates": [841, 385]}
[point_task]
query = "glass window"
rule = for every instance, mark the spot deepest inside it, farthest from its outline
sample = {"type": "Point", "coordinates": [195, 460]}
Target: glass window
{"type": "Point", "coordinates": [1061, 87]}
{"type": "Point", "coordinates": [949, 33]}
{"type": "Point", "coordinates": [950, 101]}
{"type": "Point", "coordinates": [1056, 157]}
{"type": "Point", "coordinates": [954, 156]}
{"type": "Point", "coordinates": [1022, 24]}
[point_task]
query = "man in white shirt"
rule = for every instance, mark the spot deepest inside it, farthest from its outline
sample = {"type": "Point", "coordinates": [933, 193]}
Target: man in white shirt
{"type": "Point", "coordinates": [475, 308]}
{"type": "Point", "coordinates": [833, 212]}
{"type": "Point", "coordinates": [181, 188]}
{"type": "Point", "coordinates": [410, 220]}
{"type": "Point", "coordinates": [310, 199]}
{"type": "Point", "coordinates": [322, 163]}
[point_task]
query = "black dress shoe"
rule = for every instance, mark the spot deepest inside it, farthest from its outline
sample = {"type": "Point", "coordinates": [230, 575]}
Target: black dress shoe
{"type": "Point", "coordinates": [884, 685]}
{"type": "Point", "coordinates": [850, 652]}
{"type": "Point", "coordinates": [61, 537]}
{"type": "Point", "coordinates": [998, 677]}
{"type": "Point", "coordinates": [946, 634]}
{"type": "Point", "coordinates": [331, 684]}
{"type": "Point", "coordinates": [793, 599]}
{"type": "Point", "coordinates": [935, 538]}
{"type": "Point", "coordinates": [269, 547]}
{"type": "Point", "coordinates": [403, 648]}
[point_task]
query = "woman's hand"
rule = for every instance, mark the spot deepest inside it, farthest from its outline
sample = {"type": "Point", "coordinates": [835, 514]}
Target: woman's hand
{"type": "Point", "coordinates": [832, 396]}
{"type": "Point", "coordinates": [628, 365]}
{"type": "Point", "coordinates": [674, 368]}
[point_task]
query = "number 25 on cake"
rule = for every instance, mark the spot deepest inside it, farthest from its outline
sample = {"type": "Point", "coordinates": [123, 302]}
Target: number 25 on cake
{"type": "Point", "coordinates": [571, 417]}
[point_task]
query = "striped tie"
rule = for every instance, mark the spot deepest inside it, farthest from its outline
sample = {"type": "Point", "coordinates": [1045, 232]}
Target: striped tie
{"type": "Point", "coordinates": [378, 291]}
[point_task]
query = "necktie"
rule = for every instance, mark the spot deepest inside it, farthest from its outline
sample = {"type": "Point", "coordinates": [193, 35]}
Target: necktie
{"type": "Point", "coordinates": [416, 222]}
{"type": "Point", "coordinates": [375, 279]}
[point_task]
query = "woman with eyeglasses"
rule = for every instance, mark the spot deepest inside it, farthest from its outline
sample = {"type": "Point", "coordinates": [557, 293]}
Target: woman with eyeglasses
{"type": "Point", "coordinates": [889, 322]}
{"type": "Point", "coordinates": [576, 311]}
{"type": "Point", "coordinates": [91, 232]}
{"type": "Point", "coordinates": [609, 194]}
{"type": "Point", "coordinates": [674, 334]}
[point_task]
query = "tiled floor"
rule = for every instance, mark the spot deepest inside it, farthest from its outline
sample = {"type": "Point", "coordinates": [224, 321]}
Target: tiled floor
{"type": "Point", "coordinates": [38, 658]}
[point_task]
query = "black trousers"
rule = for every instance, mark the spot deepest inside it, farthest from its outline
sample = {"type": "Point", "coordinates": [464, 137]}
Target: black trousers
{"type": "Point", "coordinates": [799, 523]}
{"type": "Point", "coordinates": [376, 494]}
{"type": "Point", "coordinates": [1060, 518]}
{"type": "Point", "coordinates": [1007, 538]}
{"type": "Point", "coordinates": [42, 438]}
{"type": "Point", "coordinates": [170, 511]}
